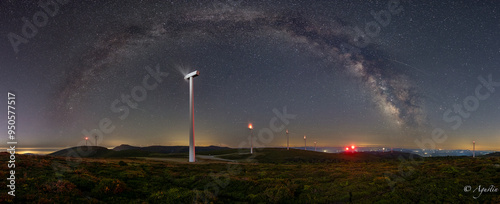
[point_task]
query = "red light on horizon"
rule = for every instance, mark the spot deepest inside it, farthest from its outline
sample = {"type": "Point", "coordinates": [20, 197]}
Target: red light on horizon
{"type": "Point", "coordinates": [352, 147]}
{"type": "Point", "coordinates": [86, 138]}
{"type": "Point", "coordinates": [347, 148]}
{"type": "Point", "coordinates": [250, 126]}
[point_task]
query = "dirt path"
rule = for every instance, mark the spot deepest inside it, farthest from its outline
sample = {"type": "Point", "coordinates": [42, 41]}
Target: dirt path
{"type": "Point", "coordinates": [214, 158]}
{"type": "Point", "coordinates": [200, 158]}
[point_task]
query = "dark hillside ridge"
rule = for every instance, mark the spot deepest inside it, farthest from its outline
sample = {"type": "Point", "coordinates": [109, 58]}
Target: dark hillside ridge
{"type": "Point", "coordinates": [127, 151]}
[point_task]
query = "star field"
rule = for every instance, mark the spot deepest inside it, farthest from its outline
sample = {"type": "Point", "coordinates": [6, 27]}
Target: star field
{"type": "Point", "coordinates": [370, 73]}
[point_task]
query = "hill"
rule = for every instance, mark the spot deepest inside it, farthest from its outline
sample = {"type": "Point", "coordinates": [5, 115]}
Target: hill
{"type": "Point", "coordinates": [262, 155]}
{"type": "Point", "coordinates": [353, 179]}
{"type": "Point", "coordinates": [494, 154]}
{"type": "Point", "coordinates": [168, 149]}
{"type": "Point", "coordinates": [96, 151]}
{"type": "Point", "coordinates": [131, 151]}
{"type": "Point", "coordinates": [279, 155]}
{"type": "Point", "coordinates": [82, 151]}
{"type": "Point", "coordinates": [125, 147]}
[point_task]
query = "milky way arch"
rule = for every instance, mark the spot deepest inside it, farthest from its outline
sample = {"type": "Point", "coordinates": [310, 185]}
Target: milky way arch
{"type": "Point", "coordinates": [393, 92]}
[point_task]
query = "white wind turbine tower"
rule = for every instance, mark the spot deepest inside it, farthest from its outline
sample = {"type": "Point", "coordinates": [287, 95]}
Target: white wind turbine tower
{"type": "Point", "coordinates": [190, 77]}
{"type": "Point", "coordinates": [250, 127]}
{"type": "Point", "coordinates": [287, 141]}
{"type": "Point", "coordinates": [305, 143]}
{"type": "Point", "coordinates": [473, 149]}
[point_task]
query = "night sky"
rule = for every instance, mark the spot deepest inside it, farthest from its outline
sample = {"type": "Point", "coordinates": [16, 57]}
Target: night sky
{"type": "Point", "coordinates": [370, 73]}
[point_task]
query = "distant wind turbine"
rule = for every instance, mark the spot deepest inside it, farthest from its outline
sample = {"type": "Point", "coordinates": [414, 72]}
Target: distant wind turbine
{"type": "Point", "coordinates": [305, 143]}
{"type": "Point", "coordinates": [473, 149]}
{"type": "Point", "coordinates": [250, 127]}
{"type": "Point", "coordinates": [287, 141]}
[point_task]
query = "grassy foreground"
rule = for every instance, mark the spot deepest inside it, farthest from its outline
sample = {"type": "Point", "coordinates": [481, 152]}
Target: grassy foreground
{"type": "Point", "coordinates": [271, 176]}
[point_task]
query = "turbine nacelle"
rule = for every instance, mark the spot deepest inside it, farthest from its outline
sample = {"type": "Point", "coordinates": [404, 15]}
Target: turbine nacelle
{"type": "Point", "coordinates": [192, 74]}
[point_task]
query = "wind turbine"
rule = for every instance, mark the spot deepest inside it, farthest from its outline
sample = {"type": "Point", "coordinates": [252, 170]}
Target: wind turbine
{"type": "Point", "coordinates": [250, 127]}
{"type": "Point", "coordinates": [473, 149]}
{"type": "Point", "coordinates": [86, 141]}
{"type": "Point", "coordinates": [314, 145]}
{"type": "Point", "coordinates": [287, 141]}
{"type": "Point", "coordinates": [305, 143]}
{"type": "Point", "coordinates": [190, 77]}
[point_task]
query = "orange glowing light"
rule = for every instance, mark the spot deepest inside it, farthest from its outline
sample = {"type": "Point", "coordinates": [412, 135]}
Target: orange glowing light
{"type": "Point", "coordinates": [86, 138]}
{"type": "Point", "coordinates": [347, 148]}
{"type": "Point", "coordinates": [352, 147]}
{"type": "Point", "coordinates": [250, 126]}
